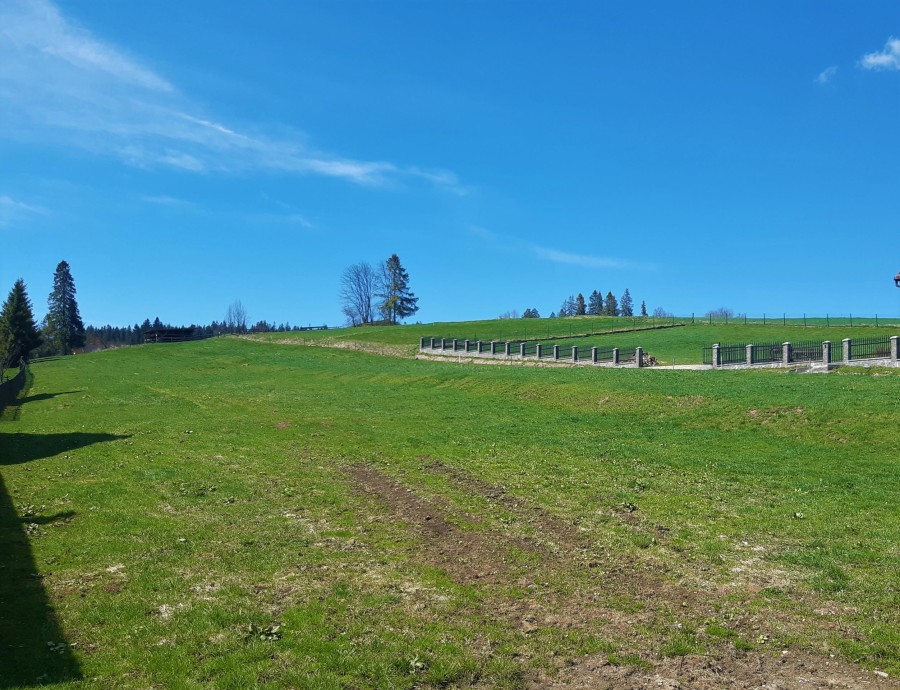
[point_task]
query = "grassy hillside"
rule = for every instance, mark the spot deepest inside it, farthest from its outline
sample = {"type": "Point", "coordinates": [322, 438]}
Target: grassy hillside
{"type": "Point", "coordinates": [233, 513]}
{"type": "Point", "coordinates": [682, 344]}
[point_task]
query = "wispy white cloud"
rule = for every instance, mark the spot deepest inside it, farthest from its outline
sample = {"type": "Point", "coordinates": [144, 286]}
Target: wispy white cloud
{"type": "Point", "coordinates": [826, 75]}
{"type": "Point", "coordinates": [165, 200]}
{"type": "Point", "coordinates": [12, 210]}
{"type": "Point", "coordinates": [61, 85]}
{"type": "Point", "coordinates": [585, 260]}
{"type": "Point", "coordinates": [887, 59]}
{"type": "Point", "coordinates": [294, 219]}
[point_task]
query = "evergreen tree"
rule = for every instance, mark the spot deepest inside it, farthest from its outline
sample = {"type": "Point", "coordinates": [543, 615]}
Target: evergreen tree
{"type": "Point", "coordinates": [397, 301]}
{"type": "Point", "coordinates": [611, 308]}
{"type": "Point", "coordinates": [595, 303]}
{"type": "Point", "coordinates": [564, 308]}
{"type": "Point", "coordinates": [64, 330]}
{"type": "Point", "coordinates": [626, 306]}
{"type": "Point", "coordinates": [643, 308]}
{"type": "Point", "coordinates": [571, 306]}
{"type": "Point", "coordinates": [579, 305]}
{"type": "Point", "coordinates": [18, 331]}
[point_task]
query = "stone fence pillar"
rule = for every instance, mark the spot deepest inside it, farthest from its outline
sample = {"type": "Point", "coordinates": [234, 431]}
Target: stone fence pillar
{"type": "Point", "coordinates": [895, 348]}
{"type": "Point", "coordinates": [848, 346]}
{"type": "Point", "coordinates": [750, 354]}
{"type": "Point", "coordinates": [522, 350]}
{"type": "Point", "coordinates": [786, 353]}
{"type": "Point", "coordinates": [455, 341]}
{"type": "Point", "coordinates": [616, 356]}
{"type": "Point", "coordinates": [507, 348]}
{"type": "Point", "coordinates": [826, 352]}
{"type": "Point", "coordinates": [556, 352]}
{"type": "Point", "coordinates": [716, 356]}
{"type": "Point", "coordinates": [422, 343]}
{"type": "Point", "coordinates": [639, 357]}
{"type": "Point", "coordinates": [574, 353]}
{"type": "Point", "coordinates": [466, 345]}
{"type": "Point", "coordinates": [538, 350]}
{"type": "Point", "coordinates": [594, 355]}
{"type": "Point", "coordinates": [480, 346]}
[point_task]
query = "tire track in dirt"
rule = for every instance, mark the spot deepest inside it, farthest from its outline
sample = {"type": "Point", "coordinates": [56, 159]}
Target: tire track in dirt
{"type": "Point", "coordinates": [480, 558]}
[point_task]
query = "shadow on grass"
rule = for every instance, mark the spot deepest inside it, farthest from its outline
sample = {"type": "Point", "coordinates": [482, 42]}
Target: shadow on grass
{"type": "Point", "coordinates": [33, 650]}
{"type": "Point", "coordinates": [16, 449]}
{"type": "Point", "coordinates": [40, 396]}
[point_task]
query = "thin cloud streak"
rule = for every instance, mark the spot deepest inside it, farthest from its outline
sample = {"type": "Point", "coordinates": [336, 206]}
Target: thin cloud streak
{"type": "Point", "coordinates": [585, 260]}
{"type": "Point", "coordinates": [12, 211]}
{"type": "Point", "coordinates": [826, 75]}
{"type": "Point", "coordinates": [60, 85]}
{"type": "Point", "coordinates": [887, 59]}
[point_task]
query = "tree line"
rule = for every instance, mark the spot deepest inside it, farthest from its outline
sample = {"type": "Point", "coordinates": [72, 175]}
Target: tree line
{"type": "Point", "coordinates": [367, 290]}
{"type": "Point", "coordinates": [595, 305]}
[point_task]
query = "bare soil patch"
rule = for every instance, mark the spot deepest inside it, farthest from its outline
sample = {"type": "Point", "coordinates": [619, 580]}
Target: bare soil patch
{"type": "Point", "coordinates": [485, 558]}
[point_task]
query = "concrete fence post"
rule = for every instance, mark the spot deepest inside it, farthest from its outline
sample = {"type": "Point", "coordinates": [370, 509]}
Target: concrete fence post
{"type": "Point", "coordinates": [537, 350]}
{"type": "Point", "coordinates": [455, 342]}
{"type": "Point", "coordinates": [574, 353]}
{"type": "Point", "coordinates": [895, 348]}
{"type": "Point", "coordinates": [507, 349]}
{"type": "Point", "coordinates": [422, 343]}
{"type": "Point", "coordinates": [466, 346]}
{"type": "Point", "coordinates": [615, 359]}
{"type": "Point", "coordinates": [522, 350]}
{"type": "Point", "coordinates": [480, 346]}
{"type": "Point", "coordinates": [556, 352]}
{"type": "Point", "coordinates": [787, 353]}
{"type": "Point", "coordinates": [716, 356]}
{"type": "Point", "coordinates": [750, 354]}
{"type": "Point", "coordinates": [639, 357]}
{"type": "Point", "coordinates": [432, 344]}
{"type": "Point", "coordinates": [826, 352]}
{"type": "Point", "coordinates": [594, 355]}
{"type": "Point", "coordinates": [848, 349]}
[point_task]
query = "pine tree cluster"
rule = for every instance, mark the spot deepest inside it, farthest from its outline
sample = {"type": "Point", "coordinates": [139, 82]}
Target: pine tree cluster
{"type": "Point", "coordinates": [597, 305]}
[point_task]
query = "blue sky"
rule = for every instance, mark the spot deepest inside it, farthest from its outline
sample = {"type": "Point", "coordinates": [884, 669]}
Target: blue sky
{"type": "Point", "coordinates": [181, 155]}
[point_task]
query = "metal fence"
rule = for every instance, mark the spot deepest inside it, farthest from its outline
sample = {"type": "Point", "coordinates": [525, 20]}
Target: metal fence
{"type": "Point", "coordinates": [765, 353]}
{"type": "Point", "coordinates": [525, 349]}
{"type": "Point", "coordinates": [870, 348]}
{"type": "Point", "coordinates": [810, 351]}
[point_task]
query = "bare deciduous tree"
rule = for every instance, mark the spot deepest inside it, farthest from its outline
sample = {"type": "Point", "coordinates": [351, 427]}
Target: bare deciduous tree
{"type": "Point", "coordinates": [358, 285]}
{"type": "Point", "coordinates": [236, 317]}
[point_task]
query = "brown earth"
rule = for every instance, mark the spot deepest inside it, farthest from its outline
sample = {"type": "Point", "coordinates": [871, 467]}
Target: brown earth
{"type": "Point", "coordinates": [473, 552]}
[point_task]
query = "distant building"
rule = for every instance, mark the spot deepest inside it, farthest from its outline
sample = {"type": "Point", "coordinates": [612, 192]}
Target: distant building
{"type": "Point", "coordinates": [169, 335]}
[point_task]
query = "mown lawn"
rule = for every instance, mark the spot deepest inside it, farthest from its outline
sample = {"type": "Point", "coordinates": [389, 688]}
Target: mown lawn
{"type": "Point", "coordinates": [234, 513]}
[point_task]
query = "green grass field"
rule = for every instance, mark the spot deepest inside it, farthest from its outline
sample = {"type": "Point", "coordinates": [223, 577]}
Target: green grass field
{"type": "Point", "coordinates": [241, 513]}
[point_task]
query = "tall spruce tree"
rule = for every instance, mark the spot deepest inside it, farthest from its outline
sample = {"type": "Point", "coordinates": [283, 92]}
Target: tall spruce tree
{"type": "Point", "coordinates": [611, 308]}
{"type": "Point", "coordinates": [643, 308]}
{"type": "Point", "coordinates": [397, 301]}
{"type": "Point", "coordinates": [19, 333]}
{"type": "Point", "coordinates": [626, 305]}
{"type": "Point", "coordinates": [579, 305]}
{"type": "Point", "coordinates": [64, 330]}
{"type": "Point", "coordinates": [595, 303]}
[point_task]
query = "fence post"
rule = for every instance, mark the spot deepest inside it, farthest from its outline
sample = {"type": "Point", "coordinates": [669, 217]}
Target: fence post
{"type": "Point", "coordinates": [750, 354]}
{"type": "Point", "coordinates": [616, 356]}
{"type": "Point", "coordinates": [432, 344]}
{"type": "Point", "coordinates": [466, 344]}
{"type": "Point", "coordinates": [826, 352]}
{"type": "Point", "coordinates": [786, 353]}
{"type": "Point", "coordinates": [574, 353]}
{"type": "Point", "coordinates": [507, 348]}
{"type": "Point", "coordinates": [639, 357]}
{"type": "Point", "coordinates": [594, 355]}
{"type": "Point", "coordinates": [556, 352]}
{"type": "Point", "coordinates": [716, 356]}
{"type": "Point", "coordinates": [538, 351]}
{"type": "Point", "coordinates": [848, 347]}
{"type": "Point", "coordinates": [895, 348]}
{"type": "Point", "coordinates": [421, 343]}
{"type": "Point", "coordinates": [480, 346]}
{"type": "Point", "coordinates": [455, 341]}
{"type": "Point", "coordinates": [522, 349]}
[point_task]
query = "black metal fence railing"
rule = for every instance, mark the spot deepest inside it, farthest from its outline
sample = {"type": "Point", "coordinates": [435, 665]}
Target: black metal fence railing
{"type": "Point", "coordinates": [808, 351]}
{"type": "Point", "coordinates": [766, 353]}
{"type": "Point", "coordinates": [733, 354]}
{"type": "Point", "coordinates": [870, 348]}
